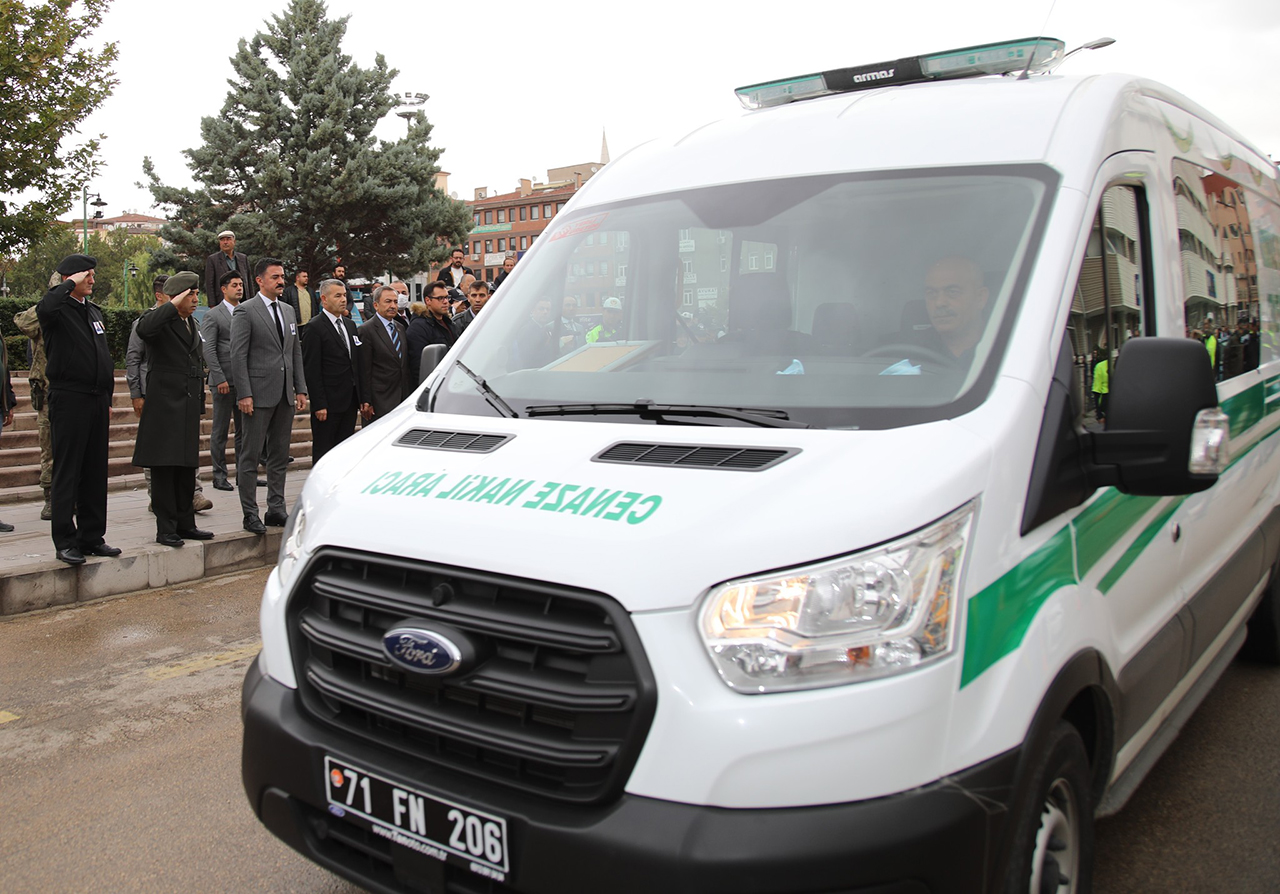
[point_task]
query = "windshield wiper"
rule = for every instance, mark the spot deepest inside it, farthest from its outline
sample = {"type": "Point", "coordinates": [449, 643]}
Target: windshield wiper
{"type": "Point", "coordinates": [647, 409]}
{"type": "Point", "coordinates": [492, 397]}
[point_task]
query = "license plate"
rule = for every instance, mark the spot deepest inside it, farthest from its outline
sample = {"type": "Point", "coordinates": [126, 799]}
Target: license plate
{"type": "Point", "coordinates": [449, 832]}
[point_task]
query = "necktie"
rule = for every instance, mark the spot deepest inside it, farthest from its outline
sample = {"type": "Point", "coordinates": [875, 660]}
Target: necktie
{"type": "Point", "coordinates": [342, 334]}
{"type": "Point", "coordinates": [275, 306]}
{"type": "Point", "coordinates": [395, 338]}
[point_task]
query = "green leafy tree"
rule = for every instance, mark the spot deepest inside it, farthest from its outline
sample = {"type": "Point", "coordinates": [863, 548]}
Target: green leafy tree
{"type": "Point", "coordinates": [116, 251]}
{"type": "Point", "coordinates": [51, 81]}
{"type": "Point", "coordinates": [292, 166]}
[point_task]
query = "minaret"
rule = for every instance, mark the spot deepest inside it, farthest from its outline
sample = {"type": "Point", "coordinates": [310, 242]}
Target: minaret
{"type": "Point", "coordinates": [604, 147]}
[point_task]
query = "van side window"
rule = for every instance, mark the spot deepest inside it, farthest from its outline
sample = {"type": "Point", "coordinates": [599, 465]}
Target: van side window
{"type": "Point", "coordinates": [1219, 269]}
{"type": "Point", "coordinates": [1109, 304]}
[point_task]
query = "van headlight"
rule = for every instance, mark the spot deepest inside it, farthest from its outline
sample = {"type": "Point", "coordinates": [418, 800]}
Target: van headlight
{"type": "Point", "coordinates": [884, 611]}
{"type": "Point", "coordinates": [292, 544]}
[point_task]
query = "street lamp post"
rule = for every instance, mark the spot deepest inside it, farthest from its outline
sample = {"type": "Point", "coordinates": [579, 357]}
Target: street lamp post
{"type": "Point", "coordinates": [130, 271]}
{"type": "Point", "coordinates": [409, 103]}
{"type": "Point", "coordinates": [97, 203]}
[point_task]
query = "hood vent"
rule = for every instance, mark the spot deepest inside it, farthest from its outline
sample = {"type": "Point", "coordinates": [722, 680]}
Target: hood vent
{"type": "Point", "coordinates": [462, 441]}
{"type": "Point", "coordinates": [695, 456]}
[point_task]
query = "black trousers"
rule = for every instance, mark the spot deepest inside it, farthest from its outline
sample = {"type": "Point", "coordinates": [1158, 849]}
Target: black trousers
{"type": "Point", "coordinates": [79, 426]}
{"type": "Point", "coordinates": [171, 493]}
{"type": "Point", "coordinates": [332, 432]}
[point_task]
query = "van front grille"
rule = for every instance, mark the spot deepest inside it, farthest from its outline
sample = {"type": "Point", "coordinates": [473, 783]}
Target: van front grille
{"type": "Point", "coordinates": [557, 702]}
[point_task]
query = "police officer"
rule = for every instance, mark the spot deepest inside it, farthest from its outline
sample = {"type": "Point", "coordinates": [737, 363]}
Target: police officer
{"type": "Point", "coordinates": [81, 379]}
{"type": "Point", "coordinates": [29, 325]}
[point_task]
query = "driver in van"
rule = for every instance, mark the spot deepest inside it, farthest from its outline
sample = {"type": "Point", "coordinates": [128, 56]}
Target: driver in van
{"type": "Point", "coordinates": [955, 297]}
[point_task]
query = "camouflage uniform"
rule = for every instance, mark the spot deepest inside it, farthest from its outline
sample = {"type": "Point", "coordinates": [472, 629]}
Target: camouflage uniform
{"type": "Point", "coordinates": [30, 327]}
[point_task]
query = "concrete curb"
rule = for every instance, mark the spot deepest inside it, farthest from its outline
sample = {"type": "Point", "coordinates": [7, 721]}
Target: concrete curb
{"type": "Point", "coordinates": [54, 583]}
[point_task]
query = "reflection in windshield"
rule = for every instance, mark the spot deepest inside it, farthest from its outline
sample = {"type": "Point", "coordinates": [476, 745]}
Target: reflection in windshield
{"type": "Point", "coordinates": [842, 301]}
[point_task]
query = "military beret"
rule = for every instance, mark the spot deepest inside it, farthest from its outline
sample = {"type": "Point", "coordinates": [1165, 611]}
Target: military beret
{"type": "Point", "coordinates": [180, 282]}
{"type": "Point", "coordinates": [73, 264]}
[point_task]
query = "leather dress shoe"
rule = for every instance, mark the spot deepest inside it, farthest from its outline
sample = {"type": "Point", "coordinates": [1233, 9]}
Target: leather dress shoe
{"type": "Point", "coordinates": [223, 485]}
{"type": "Point", "coordinates": [195, 534]}
{"type": "Point", "coordinates": [275, 519]}
{"type": "Point", "coordinates": [107, 552]}
{"type": "Point", "coordinates": [262, 482]}
{"type": "Point", "coordinates": [5, 527]}
{"type": "Point", "coordinates": [169, 540]}
{"type": "Point", "coordinates": [70, 555]}
{"type": "Point", "coordinates": [254, 525]}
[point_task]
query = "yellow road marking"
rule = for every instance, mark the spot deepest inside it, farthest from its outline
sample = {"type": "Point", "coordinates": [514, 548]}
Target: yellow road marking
{"type": "Point", "coordinates": [203, 662]}
{"type": "Point", "coordinates": [6, 716]}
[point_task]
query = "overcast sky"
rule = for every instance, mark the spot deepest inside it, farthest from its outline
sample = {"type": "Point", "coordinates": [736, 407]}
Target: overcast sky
{"type": "Point", "coordinates": [523, 87]}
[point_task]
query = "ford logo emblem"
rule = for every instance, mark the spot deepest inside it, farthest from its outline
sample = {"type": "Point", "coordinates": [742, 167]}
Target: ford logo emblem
{"type": "Point", "coordinates": [421, 650]}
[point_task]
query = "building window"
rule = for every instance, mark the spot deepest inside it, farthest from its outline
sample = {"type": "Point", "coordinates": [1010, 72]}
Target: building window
{"type": "Point", "coordinates": [502, 215]}
{"type": "Point", "coordinates": [488, 217]}
{"type": "Point", "coordinates": [524, 211]}
{"type": "Point", "coordinates": [724, 265]}
{"type": "Point", "coordinates": [559, 207]}
{"type": "Point", "coordinates": [688, 265]}
{"type": "Point", "coordinates": [688, 297]}
{"type": "Point", "coordinates": [502, 244]}
{"type": "Point", "coordinates": [604, 268]}
{"type": "Point", "coordinates": [524, 242]}
{"type": "Point", "coordinates": [477, 216]}
{"type": "Point", "coordinates": [488, 245]}
{"type": "Point", "coordinates": [533, 212]}
{"type": "Point", "coordinates": [604, 238]}
{"type": "Point", "coordinates": [684, 236]}
{"type": "Point", "coordinates": [546, 212]}
{"type": "Point", "coordinates": [768, 261]}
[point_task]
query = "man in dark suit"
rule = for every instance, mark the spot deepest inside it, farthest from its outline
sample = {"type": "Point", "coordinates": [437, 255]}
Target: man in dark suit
{"type": "Point", "coordinates": [81, 379]}
{"type": "Point", "coordinates": [384, 359]}
{"type": "Point", "coordinates": [330, 356]}
{"type": "Point", "coordinates": [168, 440]}
{"type": "Point", "coordinates": [216, 330]}
{"type": "Point", "coordinates": [267, 373]}
{"type": "Point", "coordinates": [224, 259]}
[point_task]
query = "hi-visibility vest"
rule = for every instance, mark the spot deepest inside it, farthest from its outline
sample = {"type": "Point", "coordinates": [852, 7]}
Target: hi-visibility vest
{"type": "Point", "coordinates": [1101, 378]}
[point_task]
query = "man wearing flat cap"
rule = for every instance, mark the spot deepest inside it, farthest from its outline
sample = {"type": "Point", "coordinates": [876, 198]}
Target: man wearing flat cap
{"type": "Point", "coordinates": [169, 431]}
{"type": "Point", "coordinates": [81, 378]}
{"type": "Point", "coordinates": [224, 259]}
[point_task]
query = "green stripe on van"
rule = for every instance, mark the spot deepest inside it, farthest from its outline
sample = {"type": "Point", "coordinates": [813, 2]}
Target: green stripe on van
{"type": "Point", "coordinates": [1139, 544]}
{"type": "Point", "coordinates": [1000, 615]}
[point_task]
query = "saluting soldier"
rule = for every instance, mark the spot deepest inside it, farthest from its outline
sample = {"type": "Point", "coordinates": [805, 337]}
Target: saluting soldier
{"type": "Point", "coordinates": [81, 379]}
{"type": "Point", "coordinates": [169, 430]}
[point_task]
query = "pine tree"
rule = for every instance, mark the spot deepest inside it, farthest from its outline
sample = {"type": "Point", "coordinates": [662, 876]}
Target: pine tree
{"type": "Point", "coordinates": [52, 82]}
{"type": "Point", "coordinates": [292, 166]}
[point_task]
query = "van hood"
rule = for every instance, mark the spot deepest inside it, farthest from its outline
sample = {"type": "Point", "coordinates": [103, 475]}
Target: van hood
{"type": "Point", "coordinates": [540, 506]}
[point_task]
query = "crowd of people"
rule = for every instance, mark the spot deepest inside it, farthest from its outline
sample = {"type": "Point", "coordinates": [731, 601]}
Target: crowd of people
{"type": "Point", "coordinates": [266, 349]}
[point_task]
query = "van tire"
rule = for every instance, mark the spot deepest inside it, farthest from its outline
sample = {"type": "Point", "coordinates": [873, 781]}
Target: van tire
{"type": "Point", "coordinates": [1053, 825]}
{"type": "Point", "coordinates": [1263, 641]}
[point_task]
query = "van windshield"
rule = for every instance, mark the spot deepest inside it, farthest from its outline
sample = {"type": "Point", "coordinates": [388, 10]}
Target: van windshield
{"type": "Point", "coordinates": [830, 301]}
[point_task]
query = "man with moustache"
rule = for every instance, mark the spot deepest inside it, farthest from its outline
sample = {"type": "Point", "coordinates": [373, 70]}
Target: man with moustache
{"type": "Point", "coordinates": [267, 374]}
{"type": "Point", "coordinates": [169, 432]}
{"type": "Point", "coordinates": [331, 358]}
{"type": "Point", "coordinates": [955, 298]}
{"type": "Point", "coordinates": [299, 297]}
{"type": "Point", "coordinates": [455, 274]}
{"type": "Point", "coordinates": [478, 295]}
{"type": "Point", "coordinates": [224, 259]}
{"type": "Point", "coordinates": [81, 378]}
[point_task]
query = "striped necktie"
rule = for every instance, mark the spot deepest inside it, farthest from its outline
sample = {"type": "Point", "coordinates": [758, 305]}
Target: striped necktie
{"type": "Point", "coordinates": [395, 338]}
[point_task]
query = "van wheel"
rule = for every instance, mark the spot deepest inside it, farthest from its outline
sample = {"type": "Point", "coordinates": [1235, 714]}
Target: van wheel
{"type": "Point", "coordinates": [1263, 641]}
{"type": "Point", "coordinates": [1053, 840]}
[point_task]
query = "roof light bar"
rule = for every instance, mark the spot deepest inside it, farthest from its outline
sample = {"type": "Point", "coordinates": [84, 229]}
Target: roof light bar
{"type": "Point", "coordinates": [1029, 54]}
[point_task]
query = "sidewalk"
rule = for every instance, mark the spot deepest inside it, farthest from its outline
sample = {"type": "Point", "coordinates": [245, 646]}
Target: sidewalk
{"type": "Point", "coordinates": [31, 578]}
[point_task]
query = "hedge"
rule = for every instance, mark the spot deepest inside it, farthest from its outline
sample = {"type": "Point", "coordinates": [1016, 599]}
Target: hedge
{"type": "Point", "coordinates": [118, 320]}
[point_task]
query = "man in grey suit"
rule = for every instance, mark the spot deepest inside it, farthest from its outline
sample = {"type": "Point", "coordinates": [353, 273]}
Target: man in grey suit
{"type": "Point", "coordinates": [266, 372]}
{"type": "Point", "coordinates": [216, 332]}
{"type": "Point", "coordinates": [226, 258]}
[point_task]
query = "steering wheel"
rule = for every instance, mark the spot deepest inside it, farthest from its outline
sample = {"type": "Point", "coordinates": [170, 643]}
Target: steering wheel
{"type": "Point", "coordinates": [900, 349]}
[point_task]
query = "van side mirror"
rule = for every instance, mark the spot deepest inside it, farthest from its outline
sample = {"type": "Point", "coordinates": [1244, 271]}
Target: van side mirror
{"type": "Point", "coordinates": [431, 357]}
{"type": "Point", "coordinates": [1164, 434]}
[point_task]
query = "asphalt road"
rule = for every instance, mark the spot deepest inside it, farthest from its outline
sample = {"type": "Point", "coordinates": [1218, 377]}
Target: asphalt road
{"type": "Point", "coordinates": [120, 763]}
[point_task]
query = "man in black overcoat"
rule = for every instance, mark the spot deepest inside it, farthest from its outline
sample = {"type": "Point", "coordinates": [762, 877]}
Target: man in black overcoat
{"type": "Point", "coordinates": [169, 431]}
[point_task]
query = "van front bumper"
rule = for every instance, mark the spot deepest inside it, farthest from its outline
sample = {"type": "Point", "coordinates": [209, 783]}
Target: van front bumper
{"type": "Point", "coordinates": [941, 837]}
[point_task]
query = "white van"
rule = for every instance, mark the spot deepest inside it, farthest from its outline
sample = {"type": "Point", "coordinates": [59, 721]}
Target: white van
{"type": "Point", "coordinates": [938, 593]}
